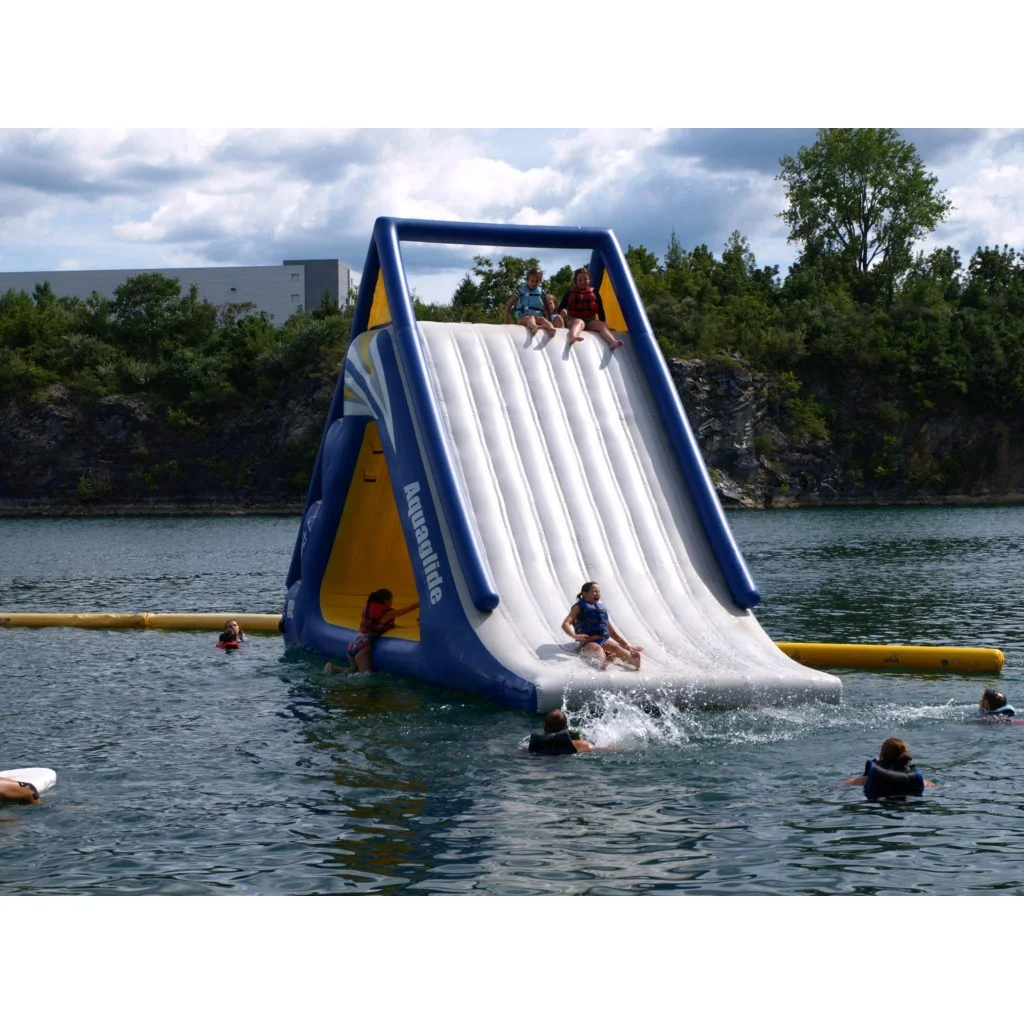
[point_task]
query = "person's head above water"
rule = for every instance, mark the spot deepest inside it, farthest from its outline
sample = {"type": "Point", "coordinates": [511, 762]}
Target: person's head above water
{"type": "Point", "coordinates": [555, 721]}
{"type": "Point", "coordinates": [590, 591]}
{"type": "Point", "coordinates": [894, 750]}
{"type": "Point", "coordinates": [992, 700]}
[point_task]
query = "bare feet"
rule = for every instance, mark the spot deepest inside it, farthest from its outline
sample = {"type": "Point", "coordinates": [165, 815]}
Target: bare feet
{"type": "Point", "coordinates": [616, 343]}
{"type": "Point", "coordinates": [330, 669]}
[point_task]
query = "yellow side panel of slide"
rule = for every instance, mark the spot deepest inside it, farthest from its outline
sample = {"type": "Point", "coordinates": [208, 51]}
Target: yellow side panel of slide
{"type": "Point", "coordinates": [380, 312]}
{"type": "Point", "coordinates": [369, 551]}
{"type": "Point", "coordinates": [612, 310]}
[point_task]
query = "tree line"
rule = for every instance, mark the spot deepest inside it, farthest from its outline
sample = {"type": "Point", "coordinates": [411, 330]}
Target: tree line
{"type": "Point", "coordinates": [860, 338]}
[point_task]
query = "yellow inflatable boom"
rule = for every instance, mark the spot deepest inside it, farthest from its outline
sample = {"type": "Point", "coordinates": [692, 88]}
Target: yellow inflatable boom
{"type": "Point", "coordinates": [142, 620]}
{"type": "Point", "coordinates": [871, 656]}
{"type": "Point", "coordinates": [928, 659]}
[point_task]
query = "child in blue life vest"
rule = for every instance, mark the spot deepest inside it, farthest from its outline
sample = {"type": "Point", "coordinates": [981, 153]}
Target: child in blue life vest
{"type": "Point", "coordinates": [528, 304]}
{"type": "Point", "coordinates": [588, 624]}
{"type": "Point", "coordinates": [583, 310]}
{"type": "Point", "coordinates": [993, 707]}
{"type": "Point", "coordinates": [377, 619]}
{"type": "Point", "coordinates": [891, 774]}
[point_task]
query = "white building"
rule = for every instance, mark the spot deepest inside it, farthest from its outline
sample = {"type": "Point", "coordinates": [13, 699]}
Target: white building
{"type": "Point", "coordinates": [279, 291]}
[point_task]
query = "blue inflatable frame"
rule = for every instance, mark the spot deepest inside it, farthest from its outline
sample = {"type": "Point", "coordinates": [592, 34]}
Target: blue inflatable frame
{"type": "Point", "coordinates": [304, 625]}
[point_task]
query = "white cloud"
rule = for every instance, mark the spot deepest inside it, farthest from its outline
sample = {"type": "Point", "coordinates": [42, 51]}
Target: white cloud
{"type": "Point", "coordinates": [131, 198]}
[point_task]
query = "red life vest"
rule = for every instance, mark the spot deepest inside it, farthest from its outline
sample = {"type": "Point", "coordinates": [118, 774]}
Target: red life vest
{"type": "Point", "coordinates": [370, 624]}
{"type": "Point", "coordinates": [583, 303]}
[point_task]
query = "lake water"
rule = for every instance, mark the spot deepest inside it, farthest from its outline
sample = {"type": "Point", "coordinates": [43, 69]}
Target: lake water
{"type": "Point", "coordinates": [183, 770]}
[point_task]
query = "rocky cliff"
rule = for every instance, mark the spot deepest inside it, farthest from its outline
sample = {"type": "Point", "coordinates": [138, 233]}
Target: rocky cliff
{"type": "Point", "coordinates": [120, 455]}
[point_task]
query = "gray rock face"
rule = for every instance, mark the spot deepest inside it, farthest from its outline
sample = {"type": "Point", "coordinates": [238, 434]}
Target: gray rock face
{"type": "Point", "coordinates": [120, 455]}
{"type": "Point", "coordinates": [755, 463]}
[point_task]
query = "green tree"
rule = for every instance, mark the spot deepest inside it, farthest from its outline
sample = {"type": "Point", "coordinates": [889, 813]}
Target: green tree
{"type": "Point", "coordinates": [467, 302]}
{"type": "Point", "coordinates": [559, 282]}
{"type": "Point", "coordinates": [863, 195]}
{"type": "Point", "coordinates": [497, 284]}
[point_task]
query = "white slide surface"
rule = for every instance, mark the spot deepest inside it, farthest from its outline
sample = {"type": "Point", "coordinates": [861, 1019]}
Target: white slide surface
{"type": "Point", "coordinates": [570, 476]}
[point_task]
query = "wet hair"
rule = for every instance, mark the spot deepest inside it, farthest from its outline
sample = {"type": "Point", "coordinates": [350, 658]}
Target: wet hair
{"type": "Point", "coordinates": [580, 270]}
{"type": "Point", "coordinates": [384, 596]}
{"type": "Point", "coordinates": [894, 749]}
{"type": "Point", "coordinates": [588, 586]}
{"type": "Point", "coordinates": [993, 699]}
{"type": "Point", "coordinates": [555, 721]}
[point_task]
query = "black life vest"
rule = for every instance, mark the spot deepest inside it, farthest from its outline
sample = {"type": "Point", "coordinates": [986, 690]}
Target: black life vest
{"type": "Point", "coordinates": [892, 779]}
{"type": "Point", "coordinates": [582, 303]}
{"type": "Point", "coordinates": [552, 743]}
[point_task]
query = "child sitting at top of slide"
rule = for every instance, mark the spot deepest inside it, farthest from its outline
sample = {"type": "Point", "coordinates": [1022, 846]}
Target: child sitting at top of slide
{"type": "Point", "coordinates": [583, 310]}
{"type": "Point", "coordinates": [528, 303]}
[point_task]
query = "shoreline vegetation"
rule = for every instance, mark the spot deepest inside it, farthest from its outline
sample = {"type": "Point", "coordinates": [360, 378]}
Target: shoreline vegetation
{"type": "Point", "coordinates": [294, 510]}
{"type": "Point", "coordinates": [869, 375]}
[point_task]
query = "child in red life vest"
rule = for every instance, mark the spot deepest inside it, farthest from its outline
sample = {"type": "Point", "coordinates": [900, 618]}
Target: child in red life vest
{"type": "Point", "coordinates": [232, 637]}
{"type": "Point", "coordinates": [233, 631]}
{"type": "Point", "coordinates": [377, 619]}
{"type": "Point", "coordinates": [583, 310]}
{"type": "Point", "coordinates": [528, 303]}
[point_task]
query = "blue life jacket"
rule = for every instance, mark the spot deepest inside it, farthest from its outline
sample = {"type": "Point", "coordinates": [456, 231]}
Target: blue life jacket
{"type": "Point", "coordinates": [1006, 709]}
{"type": "Point", "coordinates": [530, 301]}
{"type": "Point", "coordinates": [592, 619]}
{"type": "Point", "coordinates": [892, 779]}
{"type": "Point", "coordinates": [552, 742]}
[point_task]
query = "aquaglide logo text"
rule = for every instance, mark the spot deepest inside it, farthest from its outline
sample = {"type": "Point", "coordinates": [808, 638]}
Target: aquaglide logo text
{"type": "Point", "coordinates": [429, 559]}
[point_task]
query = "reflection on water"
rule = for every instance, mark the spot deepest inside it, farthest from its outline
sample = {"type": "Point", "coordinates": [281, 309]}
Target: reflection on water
{"type": "Point", "coordinates": [181, 770]}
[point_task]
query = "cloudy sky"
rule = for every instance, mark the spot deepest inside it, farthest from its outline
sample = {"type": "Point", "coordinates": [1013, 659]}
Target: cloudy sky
{"type": "Point", "coordinates": [92, 198]}
{"type": "Point", "coordinates": [89, 196]}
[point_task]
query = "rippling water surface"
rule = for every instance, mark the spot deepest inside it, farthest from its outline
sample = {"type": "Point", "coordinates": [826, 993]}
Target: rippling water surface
{"type": "Point", "coordinates": [182, 769]}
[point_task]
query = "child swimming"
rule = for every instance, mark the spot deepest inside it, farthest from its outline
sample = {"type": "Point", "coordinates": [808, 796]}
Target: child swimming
{"type": "Point", "coordinates": [891, 774]}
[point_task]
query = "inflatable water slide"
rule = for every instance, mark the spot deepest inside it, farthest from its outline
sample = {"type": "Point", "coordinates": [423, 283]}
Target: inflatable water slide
{"type": "Point", "coordinates": [488, 472]}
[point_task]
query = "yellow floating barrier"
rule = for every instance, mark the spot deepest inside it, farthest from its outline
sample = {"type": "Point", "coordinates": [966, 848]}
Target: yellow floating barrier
{"type": "Point", "coordinates": [928, 659]}
{"type": "Point", "coordinates": [80, 620]}
{"type": "Point", "coordinates": [872, 656]}
{"type": "Point", "coordinates": [141, 620]}
{"type": "Point", "coordinates": [211, 620]}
